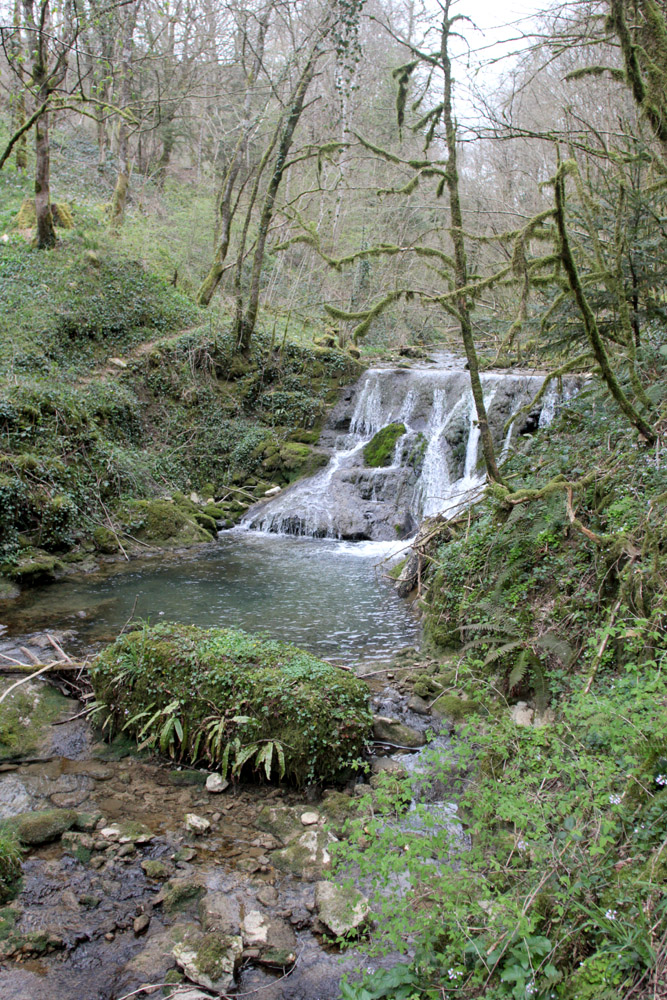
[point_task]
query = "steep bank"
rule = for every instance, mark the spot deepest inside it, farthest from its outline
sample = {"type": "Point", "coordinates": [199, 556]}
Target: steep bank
{"type": "Point", "coordinates": [546, 611]}
{"type": "Point", "coordinates": [111, 417]}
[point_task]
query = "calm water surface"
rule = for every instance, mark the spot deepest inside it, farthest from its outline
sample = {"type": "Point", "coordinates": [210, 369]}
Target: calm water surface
{"type": "Point", "coordinates": [326, 596]}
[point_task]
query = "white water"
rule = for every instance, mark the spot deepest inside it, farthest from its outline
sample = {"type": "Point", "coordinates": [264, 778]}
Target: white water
{"type": "Point", "coordinates": [436, 464]}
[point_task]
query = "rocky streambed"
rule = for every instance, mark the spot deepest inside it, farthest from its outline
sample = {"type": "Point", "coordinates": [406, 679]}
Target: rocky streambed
{"type": "Point", "coordinates": [138, 873]}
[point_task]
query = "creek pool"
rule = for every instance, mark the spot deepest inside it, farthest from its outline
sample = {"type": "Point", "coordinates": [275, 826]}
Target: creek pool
{"type": "Point", "coordinates": [331, 598]}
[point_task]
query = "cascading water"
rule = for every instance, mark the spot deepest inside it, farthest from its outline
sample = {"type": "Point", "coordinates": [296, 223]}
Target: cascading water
{"type": "Point", "coordinates": [436, 462]}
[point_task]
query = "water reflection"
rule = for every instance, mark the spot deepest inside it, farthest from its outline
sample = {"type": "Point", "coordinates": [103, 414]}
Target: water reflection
{"type": "Point", "coordinates": [326, 596]}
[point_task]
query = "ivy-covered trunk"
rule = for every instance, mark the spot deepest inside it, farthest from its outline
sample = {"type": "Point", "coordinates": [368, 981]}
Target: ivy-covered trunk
{"type": "Point", "coordinates": [46, 233]}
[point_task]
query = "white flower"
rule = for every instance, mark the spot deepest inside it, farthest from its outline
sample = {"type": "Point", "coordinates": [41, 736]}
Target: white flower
{"type": "Point", "coordinates": [454, 973]}
{"type": "Point", "coordinates": [521, 845]}
{"type": "Point", "coordinates": [531, 989]}
{"type": "Point", "coordinates": [611, 914]}
{"type": "Point", "coordinates": [661, 779]}
{"type": "Point", "coordinates": [615, 800]}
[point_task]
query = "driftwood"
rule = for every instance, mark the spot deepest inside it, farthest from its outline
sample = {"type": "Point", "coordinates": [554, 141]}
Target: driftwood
{"type": "Point", "coordinates": [69, 676]}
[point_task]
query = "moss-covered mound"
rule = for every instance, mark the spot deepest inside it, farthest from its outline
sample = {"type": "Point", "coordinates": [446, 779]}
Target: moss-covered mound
{"type": "Point", "coordinates": [232, 700]}
{"type": "Point", "coordinates": [380, 449]}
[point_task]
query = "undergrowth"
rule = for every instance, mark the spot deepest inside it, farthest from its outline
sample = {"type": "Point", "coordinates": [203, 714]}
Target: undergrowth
{"type": "Point", "coordinates": [550, 881]}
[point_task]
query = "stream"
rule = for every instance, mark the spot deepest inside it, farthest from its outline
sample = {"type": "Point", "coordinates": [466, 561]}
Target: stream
{"type": "Point", "coordinates": [104, 910]}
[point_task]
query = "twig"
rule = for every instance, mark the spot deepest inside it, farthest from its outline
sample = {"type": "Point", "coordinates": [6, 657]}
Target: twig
{"type": "Point", "coordinates": [603, 646]}
{"type": "Point", "coordinates": [24, 680]}
{"type": "Point", "coordinates": [58, 648]}
{"type": "Point", "coordinates": [269, 986]}
{"type": "Point", "coordinates": [78, 715]}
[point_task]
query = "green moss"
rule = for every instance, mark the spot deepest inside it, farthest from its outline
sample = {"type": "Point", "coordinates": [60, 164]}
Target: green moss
{"type": "Point", "coordinates": [10, 867]}
{"type": "Point", "coordinates": [179, 893]}
{"type": "Point", "coordinates": [456, 709]}
{"type": "Point", "coordinates": [105, 540]}
{"type": "Point", "coordinates": [41, 826]}
{"type": "Point", "coordinates": [27, 217]}
{"type": "Point", "coordinates": [26, 716]}
{"type": "Point", "coordinates": [267, 695]}
{"type": "Point", "coordinates": [156, 869]}
{"type": "Point", "coordinates": [163, 521]}
{"type": "Point", "coordinates": [380, 449]}
{"type": "Point", "coordinates": [34, 566]}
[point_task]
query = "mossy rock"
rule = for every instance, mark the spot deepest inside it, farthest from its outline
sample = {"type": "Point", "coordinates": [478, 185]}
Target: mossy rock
{"type": "Point", "coordinates": [380, 449]}
{"type": "Point", "coordinates": [156, 869]}
{"type": "Point", "coordinates": [311, 716]}
{"type": "Point", "coordinates": [340, 809]}
{"type": "Point", "coordinates": [215, 512]}
{"type": "Point", "coordinates": [26, 716]}
{"type": "Point", "coordinates": [307, 856]}
{"type": "Point", "coordinates": [105, 540]}
{"type": "Point", "coordinates": [9, 591]}
{"type": "Point", "coordinates": [165, 522]}
{"type": "Point", "coordinates": [34, 566]}
{"type": "Point", "coordinates": [179, 893]}
{"type": "Point", "coordinates": [27, 216]}
{"type": "Point", "coordinates": [449, 706]}
{"type": "Point", "coordinates": [41, 826]}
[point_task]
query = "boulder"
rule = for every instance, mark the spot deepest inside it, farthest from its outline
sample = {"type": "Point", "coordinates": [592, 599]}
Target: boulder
{"type": "Point", "coordinates": [272, 938]}
{"type": "Point", "coordinates": [42, 826]}
{"type": "Point", "coordinates": [396, 733]}
{"type": "Point", "coordinates": [209, 960]}
{"type": "Point", "coordinates": [220, 912]}
{"type": "Point", "coordinates": [343, 911]}
{"type": "Point", "coordinates": [178, 893]}
{"type": "Point", "coordinates": [310, 716]}
{"type": "Point", "coordinates": [306, 856]}
{"type": "Point", "coordinates": [282, 822]}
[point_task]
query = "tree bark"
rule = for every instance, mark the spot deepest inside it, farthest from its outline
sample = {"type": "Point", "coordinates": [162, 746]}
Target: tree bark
{"type": "Point", "coordinates": [245, 322]}
{"type": "Point", "coordinates": [119, 197]}
{"type": "Point", "coordinates": [460, 257]}
{"type": "Point", "coordinates": [46, 233]}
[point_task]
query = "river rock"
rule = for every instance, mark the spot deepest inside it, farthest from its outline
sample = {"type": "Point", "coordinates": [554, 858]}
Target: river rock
{"type": "Point", "coordinates": [41, 826]}
{"type": "Point", "coordinates": [310, 818]}
{"type": "Point", "coordinates": [209, 960]}
{"type": "Point", "coordinates": [418, 705]}
{"type": "Point", "coordinates": [343, 911]}
{"type": "Point", "coordinates": [306, 856]}
{"type": "Point", "coordinates": [197, 824]}
{"type": "Point", "coordinates": [396, 733]}
{"type": "Point", "coordinates": [220, 912]}
{"type": "Point", "coordinates": [282, 822]}
{"type": "Point", "coordinates": [215, 783]}
{"type": "Point", "coordinates": [140, 924]}
{"type": "Point", "coordinates": [273, 938]}
{"type": "Point", "coordinates": [178, 893]}
{"type": "Point", "coordinates": [387, 765]}
{"type": "Point", "coordinates": [156, 869]}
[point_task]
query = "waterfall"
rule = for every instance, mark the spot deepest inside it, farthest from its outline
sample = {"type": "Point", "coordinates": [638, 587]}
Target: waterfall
{"type": "Point", "coordinates": [436, 463]}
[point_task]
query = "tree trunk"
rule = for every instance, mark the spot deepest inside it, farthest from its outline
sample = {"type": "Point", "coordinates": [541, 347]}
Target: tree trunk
{"type": "Point", "coordinates": [245, 321]}
{"type": "Point", "coordinates": [460, 258]}
{"type": "Point", "coordinates": [46, 233]}
{"type": "Point", "coordinates": [17, 100]}
{"type": "Point", "coordinates": [226, 205]}
{"type": "Point", "coordinates": [119, 197]}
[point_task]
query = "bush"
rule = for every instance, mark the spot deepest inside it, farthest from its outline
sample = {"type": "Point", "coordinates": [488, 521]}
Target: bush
{"type": "Point", "coordinates": [230, 699]}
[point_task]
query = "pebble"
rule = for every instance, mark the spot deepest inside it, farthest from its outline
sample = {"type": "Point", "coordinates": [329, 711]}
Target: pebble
{"type": "Point", "coordinates": [109, 936]}
{"type": "Point", "coordinates": [196, 824]}
{"type": "Point", "coordinates": [140, 925]}
{"type": "Point", "coordinates": [215, 784]}
{"type": "Point", "coordinates": [310, 818]}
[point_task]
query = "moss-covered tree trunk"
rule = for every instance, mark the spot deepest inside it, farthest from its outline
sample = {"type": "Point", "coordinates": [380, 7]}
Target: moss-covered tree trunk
{"type": "Point", "coordinates": [460, 258]}
{"type": "Point", "coordinates": [588, 316]}
{"type": "Point", "coordinates": [17, 98]}
{"type": "Point", "coordinates": [119, 197]}
{"type": "Point", "coordinates": [46, 233]}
